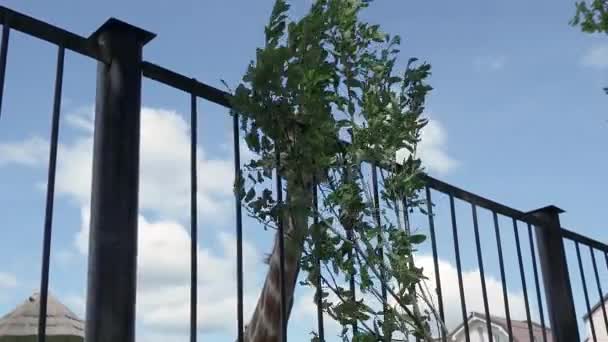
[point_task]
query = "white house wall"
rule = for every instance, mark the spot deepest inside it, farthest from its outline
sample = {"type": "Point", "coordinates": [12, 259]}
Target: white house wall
{"type": "Point", "coordinates": [478, 333]}
{"type": "Point", "coordinates": [600, 326]}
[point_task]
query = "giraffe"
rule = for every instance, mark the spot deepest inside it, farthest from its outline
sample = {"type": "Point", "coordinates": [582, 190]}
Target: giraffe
{"type": "Point", "coordinates": [265, 323]}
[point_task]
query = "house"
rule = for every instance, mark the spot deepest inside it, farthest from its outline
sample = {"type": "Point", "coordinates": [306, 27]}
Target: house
{"type": "Point", "coordinates": [478, 330]}
{"type": "Point", "coordinates": [597, 316]}
{"type": "Point", "coordinates": [21, 324]}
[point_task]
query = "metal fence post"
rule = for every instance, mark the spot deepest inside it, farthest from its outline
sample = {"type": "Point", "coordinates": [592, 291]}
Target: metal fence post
{"type": "Point", "coordinates": [558, 291]}
{"type": "Point", "coordinates": [110, 308]}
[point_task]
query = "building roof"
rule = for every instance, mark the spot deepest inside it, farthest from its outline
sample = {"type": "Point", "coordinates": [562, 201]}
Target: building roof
{"type": "Point", "coordinates": [595, 307]}
{"type": "Point", "coordinates": [23, 320]}
{"type": "Point", "coordinates": [519, 328]}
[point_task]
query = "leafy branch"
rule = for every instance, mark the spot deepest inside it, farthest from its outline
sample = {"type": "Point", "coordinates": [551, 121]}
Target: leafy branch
{"type": "Point", "coordinates": [591, 16]}
{"type": "Point", "coordinates": [323, 101]}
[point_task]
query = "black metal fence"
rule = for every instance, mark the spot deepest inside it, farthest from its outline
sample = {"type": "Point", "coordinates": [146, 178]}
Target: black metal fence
{"type": "Point", "coordinates": [110, 314]}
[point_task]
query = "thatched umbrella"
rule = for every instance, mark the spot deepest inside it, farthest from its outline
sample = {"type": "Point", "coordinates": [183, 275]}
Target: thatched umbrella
{"type": "Point", "coordinates": [21, 324]}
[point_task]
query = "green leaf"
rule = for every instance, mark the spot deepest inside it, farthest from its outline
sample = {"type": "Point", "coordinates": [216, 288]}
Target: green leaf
{"type": "Point", "coordinates": [417, 238]}
{"type": "Point", "coordinates": [250, 195]}
{"type": "Point", "coordinates": [322, 76]}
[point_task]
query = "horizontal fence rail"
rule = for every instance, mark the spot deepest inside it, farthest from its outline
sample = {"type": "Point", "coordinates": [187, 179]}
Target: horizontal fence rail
{"type": "Point", "coordinates": [537, 238]}
{"type": "Point", "coordinates": [47, 32]}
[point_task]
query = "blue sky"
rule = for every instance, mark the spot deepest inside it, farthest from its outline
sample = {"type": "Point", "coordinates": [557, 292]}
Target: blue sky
{"type": "Point", "coordinates": [517, 114]}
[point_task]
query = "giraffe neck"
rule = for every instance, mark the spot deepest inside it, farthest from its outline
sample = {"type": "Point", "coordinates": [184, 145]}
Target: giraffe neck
{"type": "Point", "coordinates": [265, 324]}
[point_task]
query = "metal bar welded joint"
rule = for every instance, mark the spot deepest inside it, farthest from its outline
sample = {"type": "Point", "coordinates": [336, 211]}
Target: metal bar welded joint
{"type": "Point", "coordinates": [112, 265]}
{"type": "Point", "coordinates": [556, 279]}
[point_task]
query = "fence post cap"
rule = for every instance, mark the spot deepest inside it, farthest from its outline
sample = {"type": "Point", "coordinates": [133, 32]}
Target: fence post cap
{"type": "Point", "coordinates": [114, 24]}
{"type": "Point", "coordinates": [550, 209]}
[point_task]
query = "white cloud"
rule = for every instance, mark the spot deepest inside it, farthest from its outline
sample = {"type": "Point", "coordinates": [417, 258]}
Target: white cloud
{"type": "Point", "coordinates": [82, 118]}
{"type": "Point", "coordinates": [305, 309]}
{"type": "Point", "coordinates": [596, 56]}
{"type": "Point", "coordinates": [489, 63]}
{"type": "Point", "coordinates": [164, 165]}
{"type": "Point", "coordinates": [431, 149]}
{"type": "Point", "coordinates": [472, 285]}
{"type": "Point", "coordinates": [7, 280]}
{"type": "Point", "coordinates": [245, 153]}
{"type": "Point", "coordinates": [32, 152]}
{"type": "Point", "coordinates": [305, 313]}
{"type": "Point", "coordinates": [164, 244]}
{"type": "Point", "coordinates": [163, 302]}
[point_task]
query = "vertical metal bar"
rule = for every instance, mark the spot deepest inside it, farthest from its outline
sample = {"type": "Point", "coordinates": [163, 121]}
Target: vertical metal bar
{"type": "Point", "coordinates": [193, 221]}
{"type": "Point", "coordinates": [482, 273]}
{"type": "Point", "coordinates": [599, 287]}
{"type": "Point", "coordinates": [463, 304]}
{"type": "Point", "coordinates": [3, 53]}
{"type": "Point", "coordinates": [281, 245]}
{"type": "Point", "coordinates": [522, 275]}
{"type": "Point", "coordinates": [239, 227]}
{"type": "Point", "coordinates": [536, 283]}
{"type": "Point", "coordinates": [50, 196]}
{"type": "Point", "coordinates": [503, 279]}
{"type": "Point", "coordinates": [556, 278]}
{"type": "Point", "coordinates": [582, 273]}
{"type": "Point", "coordinates": [112, 269]}
{"type": "Point", "coordinates": [429, 209]}
{"type": "Point", "coordinates": [412, 289]}
{"type": "Point", "coordinates": [406, 217]}
{"type": "Point", "coordinates": [603, 297]}
{"type": "Point", "coordinates": [351, 283]}
{"type": "Point", "coordinates": [376, 196]}
{"type": "Point", "coordinates": [319, 297]}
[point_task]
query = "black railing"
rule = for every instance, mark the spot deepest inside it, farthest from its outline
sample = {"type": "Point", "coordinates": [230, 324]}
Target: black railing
{"type": "Point", "coordinates": [117, 47]}
{"type": "Point", "coordinates": [595, 317]}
